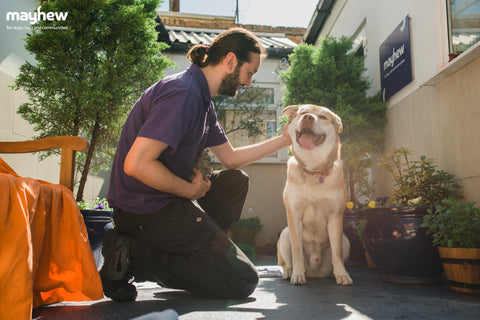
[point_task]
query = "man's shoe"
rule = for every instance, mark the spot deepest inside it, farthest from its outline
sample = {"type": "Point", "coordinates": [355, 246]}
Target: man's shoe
{"type": "Point", "coordinates": [115, 272]}
{"type": "Point", "coordinates": [118, 290]}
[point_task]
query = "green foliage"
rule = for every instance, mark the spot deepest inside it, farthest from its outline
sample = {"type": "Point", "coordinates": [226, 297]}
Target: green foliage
{"type": "Point", "coordinates": [360, 228]}
{"type": "Point", "coordinates": [82, 205]}
{"type": "Point", "coordinates": [454, 224]}
{"type": "Point", "coordinates": [252, 223]}
{"type": "Point", "coordinates": [418, 179]}
{"type": "Point", "coordinates": [333, 76]}
{"type": "Point", "coordinates": [98, 204]}
{"type": "Point", "coordinates": [88, 74]}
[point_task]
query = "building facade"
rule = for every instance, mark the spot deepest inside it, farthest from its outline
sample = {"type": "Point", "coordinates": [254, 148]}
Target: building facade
{"type": "Point", "coordinates": [425, 58]}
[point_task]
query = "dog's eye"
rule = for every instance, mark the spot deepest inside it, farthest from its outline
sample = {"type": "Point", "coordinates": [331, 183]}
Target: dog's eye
{"type": "Point", "coordinates": [323, 117]}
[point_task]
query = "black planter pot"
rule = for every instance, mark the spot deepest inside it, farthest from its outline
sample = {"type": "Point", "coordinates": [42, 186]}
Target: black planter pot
{"type": "Point", "coordinates": [399, 247]}
{"type": "Point", "coordinates": [351, 220]}
{"type": "Point", "coordinates": [97, 223]}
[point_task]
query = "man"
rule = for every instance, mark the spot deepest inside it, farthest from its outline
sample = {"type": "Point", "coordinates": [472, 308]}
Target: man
{"type": "Point", "coordinates": [160, 233]}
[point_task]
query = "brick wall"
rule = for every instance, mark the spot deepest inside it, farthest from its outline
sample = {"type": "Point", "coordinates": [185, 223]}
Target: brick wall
{"type": "Point", "coordinates": [177, 19]}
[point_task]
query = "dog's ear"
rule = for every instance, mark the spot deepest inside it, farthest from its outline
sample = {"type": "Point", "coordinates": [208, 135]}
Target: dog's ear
{"type": "Point", "coordinates": [337, 122]}
{"type": "Point", "coordinates": [290, 111]}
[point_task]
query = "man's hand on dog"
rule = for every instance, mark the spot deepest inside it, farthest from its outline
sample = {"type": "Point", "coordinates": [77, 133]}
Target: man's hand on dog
{"type": "Point", "coordinates": [200, 185]}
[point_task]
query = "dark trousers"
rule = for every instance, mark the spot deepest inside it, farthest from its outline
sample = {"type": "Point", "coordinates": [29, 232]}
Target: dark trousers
{"type": "Point", "coordinates": [184, 245]}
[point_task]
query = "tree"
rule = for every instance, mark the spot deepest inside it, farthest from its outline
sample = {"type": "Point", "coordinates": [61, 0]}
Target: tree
{"type": "Point", "coordinates": [89, 70]}
{"type": "Point", "coordinates": [333, 76]}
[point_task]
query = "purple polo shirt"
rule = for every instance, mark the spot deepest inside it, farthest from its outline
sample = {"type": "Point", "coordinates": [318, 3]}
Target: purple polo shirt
{"type": "Point", "coordinates": [178, 111]}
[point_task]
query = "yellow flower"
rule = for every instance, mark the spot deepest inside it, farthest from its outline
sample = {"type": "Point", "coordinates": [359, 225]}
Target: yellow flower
{"type": "Point", "coordinates": [350, 205]}
{"type": "Point", "coordinates": [371, 204]}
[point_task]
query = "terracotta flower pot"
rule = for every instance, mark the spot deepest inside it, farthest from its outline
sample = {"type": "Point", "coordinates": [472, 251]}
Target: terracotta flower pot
{"type": "Point", "coordinates": [244, 238]}
{"type": "Point", "coordinates": [243, 235]}
{"type": "Point", "coordinates": [462, 269]}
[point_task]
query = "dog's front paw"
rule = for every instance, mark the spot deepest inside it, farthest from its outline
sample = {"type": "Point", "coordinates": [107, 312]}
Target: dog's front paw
{"type": "Point", "coordinates": [344, 280]}
{"type": "Point", "coordinates": [298, 278]}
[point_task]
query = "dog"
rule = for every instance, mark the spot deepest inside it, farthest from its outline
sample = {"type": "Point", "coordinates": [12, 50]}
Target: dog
{"type": "Point", "coordinates": [202, 163]}
{"type": "Point", "coordinates": [315, 196]}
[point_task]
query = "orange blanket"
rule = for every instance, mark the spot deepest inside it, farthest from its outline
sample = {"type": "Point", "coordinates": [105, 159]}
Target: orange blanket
{"type": "Point", "coordinates": [45, 256]}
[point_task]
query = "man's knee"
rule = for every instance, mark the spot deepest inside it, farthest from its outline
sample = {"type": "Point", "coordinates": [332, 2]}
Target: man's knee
{"type": "Point", "coordinates": [246, 285]}
{"type": "Point", "coordinates": [236, 176]}
{"type": "Point", "coordinates": [235, 287]}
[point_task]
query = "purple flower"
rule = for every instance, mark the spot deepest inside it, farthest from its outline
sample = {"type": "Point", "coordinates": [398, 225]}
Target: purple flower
{"type": "Point", "coordinates": [99, 206]}
{"type": "Point", "coordinates": [381, 201]}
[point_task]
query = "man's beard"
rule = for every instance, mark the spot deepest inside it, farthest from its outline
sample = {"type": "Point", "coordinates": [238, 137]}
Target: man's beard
{"type": "Point", "coordinates": [230, 84]}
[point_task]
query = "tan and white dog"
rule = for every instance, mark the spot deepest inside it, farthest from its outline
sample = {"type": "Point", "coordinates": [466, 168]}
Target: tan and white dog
{"type": "Point", "coordinates": [315, 196]}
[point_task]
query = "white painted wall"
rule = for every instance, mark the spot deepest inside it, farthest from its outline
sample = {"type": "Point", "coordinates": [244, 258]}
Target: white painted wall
{"type": "Point", "coordinates": [437, 113]}
{"type": "Point", "coordinates": [429, 41]}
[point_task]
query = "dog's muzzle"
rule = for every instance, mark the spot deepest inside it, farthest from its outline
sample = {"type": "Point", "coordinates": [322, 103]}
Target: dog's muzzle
{"type": "Point", "coordinates": [308, 140]}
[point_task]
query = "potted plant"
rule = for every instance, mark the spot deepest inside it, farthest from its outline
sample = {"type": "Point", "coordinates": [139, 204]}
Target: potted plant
{"type": "Point", "coordinates": [243, 233]}
{"type": "Point", "coordinates": [98, 219]}
{"type": "Point", "coordinates": [245, 229]}
{"type": "Point", "coordinates": [393, 235]}
{"type": "Point", "coordinates": [353, 226]}
{"type": "Point", "coordinates": [455, 230]}
{"type": "Point", "coordinates": [353, 220]}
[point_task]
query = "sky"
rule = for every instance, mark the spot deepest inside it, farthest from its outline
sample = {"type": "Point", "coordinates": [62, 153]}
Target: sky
{"type": "Point", "coordinates": [276, 13]}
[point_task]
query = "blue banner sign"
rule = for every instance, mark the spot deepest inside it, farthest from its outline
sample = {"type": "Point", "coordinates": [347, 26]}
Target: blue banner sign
{"type": "Point", "coordinates": [395, 60]}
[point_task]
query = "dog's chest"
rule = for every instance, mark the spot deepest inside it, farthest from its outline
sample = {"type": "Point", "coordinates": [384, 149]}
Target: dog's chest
{"type": "Point", "coordinates": [313, 188]}
{"type": "Point", "coordinates": [314, 221]}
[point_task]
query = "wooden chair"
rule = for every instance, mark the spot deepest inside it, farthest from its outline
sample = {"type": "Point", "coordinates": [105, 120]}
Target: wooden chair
{"type": "Point", "coordinates": [68, 144]}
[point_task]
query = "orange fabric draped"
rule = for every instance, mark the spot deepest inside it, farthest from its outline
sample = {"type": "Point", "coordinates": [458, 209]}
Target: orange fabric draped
{"type": "Point", "coordinates": [45, 256]}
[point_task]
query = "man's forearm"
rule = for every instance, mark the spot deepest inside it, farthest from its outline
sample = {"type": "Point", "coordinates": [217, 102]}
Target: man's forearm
{"type": "Point", "coordinates": [233, 158]}
{"type": "Point", "coordinates": [155, 175]}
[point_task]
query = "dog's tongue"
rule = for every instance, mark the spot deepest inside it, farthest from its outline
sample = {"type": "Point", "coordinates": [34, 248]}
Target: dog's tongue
{"type": "Point", "coordinates": [306, 141]}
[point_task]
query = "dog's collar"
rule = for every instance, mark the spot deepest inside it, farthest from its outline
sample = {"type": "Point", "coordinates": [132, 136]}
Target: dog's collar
{"type": "Point", "coordinates": [321, 173]}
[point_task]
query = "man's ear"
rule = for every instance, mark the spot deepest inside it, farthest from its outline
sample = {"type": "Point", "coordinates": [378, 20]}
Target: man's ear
{"type": "Point", "coordinates": [230, 62]}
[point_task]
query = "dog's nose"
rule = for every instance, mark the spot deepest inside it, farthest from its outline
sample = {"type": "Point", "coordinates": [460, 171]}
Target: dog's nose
{"type": "Point", "coordinates": [308, 117]}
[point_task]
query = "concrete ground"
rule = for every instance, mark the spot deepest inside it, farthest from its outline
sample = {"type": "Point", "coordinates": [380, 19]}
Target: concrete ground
{"type": "Point", "coordinates": [369, 298]}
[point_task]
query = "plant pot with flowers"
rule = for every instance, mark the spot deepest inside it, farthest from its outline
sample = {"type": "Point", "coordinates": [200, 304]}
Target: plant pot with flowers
{"type": "Point", "coordinates": [455, 230]}
{"type": "Point", "coordinates": [393, 235]}
{"type": "Point", "coordinates": [98, 219]}
{"type": "Point", "coordinates": [353, 226]}
{"type": "Point", "coordinates": [243, 233]}
{"type": "Point", "coordinates": [353, 221]}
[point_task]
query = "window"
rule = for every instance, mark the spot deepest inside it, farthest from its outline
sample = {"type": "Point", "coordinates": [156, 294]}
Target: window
{"type": "Point", "coordinates": [463, 25]}
{"type": "Point", "coordinates": [250, 116]}
{"type": "Point", "coordinates": [359, 39]}
{"type": "Point", "coordinates": [255, 95]}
